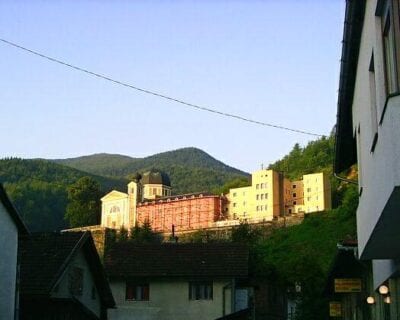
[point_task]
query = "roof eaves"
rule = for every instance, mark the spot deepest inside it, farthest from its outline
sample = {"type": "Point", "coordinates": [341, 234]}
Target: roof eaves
{"type": "Point", "coordinates": [345, 145]}
{"type": "Point", "coordinates": [22, 229]}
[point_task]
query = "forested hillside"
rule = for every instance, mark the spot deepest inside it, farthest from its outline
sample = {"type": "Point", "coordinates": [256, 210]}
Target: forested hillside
{"type": "Point", "coordinates": [316, 156]}
{"type": "Point", "coordinates": [303, 253]}
{"type": "Point", "coordinates": [190, 169]}
{"type": "Point", "coordinates": [38, 189]}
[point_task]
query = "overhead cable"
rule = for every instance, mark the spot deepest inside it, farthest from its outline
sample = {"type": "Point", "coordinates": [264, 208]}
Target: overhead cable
{"type": "Point", "coordinates": [188, 104]}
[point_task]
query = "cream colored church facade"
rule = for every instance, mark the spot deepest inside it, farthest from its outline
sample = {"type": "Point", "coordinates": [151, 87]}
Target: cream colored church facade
{"type": "Point", "coordinates": [119, 209]}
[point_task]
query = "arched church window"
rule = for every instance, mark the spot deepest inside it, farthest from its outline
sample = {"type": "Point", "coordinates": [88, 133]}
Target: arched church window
{"type": "Point", "coordinates": [114, 209]}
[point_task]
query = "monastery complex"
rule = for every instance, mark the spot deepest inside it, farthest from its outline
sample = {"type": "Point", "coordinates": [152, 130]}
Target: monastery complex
{"type": "Point", "coordinates": [270, 196]}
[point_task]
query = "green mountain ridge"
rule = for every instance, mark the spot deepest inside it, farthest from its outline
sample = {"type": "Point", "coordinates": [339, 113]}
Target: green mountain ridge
{"type": "Point", "coordinates": [106, 164]}
{"type": "Point", "coordinates": [190, 169]}
{"type": "Point", "coordinates": [38, 187]}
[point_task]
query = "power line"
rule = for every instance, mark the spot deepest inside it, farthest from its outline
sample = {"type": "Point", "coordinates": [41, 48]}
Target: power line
{"type": "Point", "coordinates": [188, 104]}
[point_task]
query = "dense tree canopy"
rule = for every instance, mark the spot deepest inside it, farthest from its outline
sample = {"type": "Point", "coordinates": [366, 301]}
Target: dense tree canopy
{"type": "Point", "coordinates": [84, 206]}
{"type": "Point", "coordinates": [38, 189]}
{"type": "Point", "coordinates": [190, 169]}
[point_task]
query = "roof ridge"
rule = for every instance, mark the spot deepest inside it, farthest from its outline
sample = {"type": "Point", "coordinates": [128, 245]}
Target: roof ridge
{"type": "Point", "coordinates": [78, 245]}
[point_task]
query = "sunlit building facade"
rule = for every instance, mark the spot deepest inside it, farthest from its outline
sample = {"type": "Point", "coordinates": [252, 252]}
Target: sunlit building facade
{"type": "Point", "coordinates": [271, 195]}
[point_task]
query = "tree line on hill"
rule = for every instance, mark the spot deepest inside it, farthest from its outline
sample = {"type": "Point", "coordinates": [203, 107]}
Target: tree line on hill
{"type": "Point", "coordinates": [40, 189]}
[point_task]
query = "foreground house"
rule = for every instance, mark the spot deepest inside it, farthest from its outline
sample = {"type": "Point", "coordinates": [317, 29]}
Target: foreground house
{"type": "Point", "coordinates": [62, 278]}
{"type": "Point", "coordinates": [177, 281]}
{"type": "Point", "coordinates": [368, 132]}
{"type": "Point", "coordinates": [11, 226]}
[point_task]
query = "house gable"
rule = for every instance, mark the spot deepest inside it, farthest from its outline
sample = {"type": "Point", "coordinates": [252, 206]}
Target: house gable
{"type": "Point", "coordinates": [63, 266]}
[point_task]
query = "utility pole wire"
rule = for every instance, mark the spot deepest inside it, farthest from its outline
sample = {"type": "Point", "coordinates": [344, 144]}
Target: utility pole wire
{"type": "Point", "coordinates": [195, 106]}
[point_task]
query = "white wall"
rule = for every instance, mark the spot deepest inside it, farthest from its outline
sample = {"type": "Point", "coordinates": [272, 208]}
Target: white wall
{"type": "Point", "coordinates": [169, 300]}
{"type": "Point", "coordinates": [8, 264]}
{"type": "Point", "coordinates": [379, 170]}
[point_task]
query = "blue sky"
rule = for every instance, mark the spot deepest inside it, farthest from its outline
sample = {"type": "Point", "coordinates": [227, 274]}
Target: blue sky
{"type": "Point", "coordinates": [272, 61]}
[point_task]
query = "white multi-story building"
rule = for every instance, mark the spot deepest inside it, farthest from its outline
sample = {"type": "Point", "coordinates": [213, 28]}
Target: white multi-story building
{"type": "Point", "coordinates": [11, 226]}
{"type": "Point", "coordinates": [368, 132]}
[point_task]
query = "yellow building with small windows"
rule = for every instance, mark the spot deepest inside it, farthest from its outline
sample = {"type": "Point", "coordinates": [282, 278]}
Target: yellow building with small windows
{"type": "Point", "coordinates": [262, 201]}
{"type": "Point", "coordinates": [271, 195]}
{"type": "Point", "coordinates": [317, 192]}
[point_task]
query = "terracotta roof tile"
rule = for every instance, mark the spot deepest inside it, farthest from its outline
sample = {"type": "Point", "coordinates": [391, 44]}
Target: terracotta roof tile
{"type": "Point", "coordinates": [129, 260]}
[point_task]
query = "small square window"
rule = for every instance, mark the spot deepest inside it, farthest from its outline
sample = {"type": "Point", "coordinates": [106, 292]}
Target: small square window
{"type": "Point", "coordinates": [137, 291]}
{"type": "Point", "coordinates": [200, 290]}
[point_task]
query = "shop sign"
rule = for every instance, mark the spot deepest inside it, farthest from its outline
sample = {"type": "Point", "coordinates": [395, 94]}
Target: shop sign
{"type": "Point", "coordinates": [335, 309]}
{"type": "Point", "coordinates": [347, 285]}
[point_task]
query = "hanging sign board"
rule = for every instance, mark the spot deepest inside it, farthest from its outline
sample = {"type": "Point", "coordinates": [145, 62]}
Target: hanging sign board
{"type": "Point", "coordinates": [347, 285]}
{"type": "Point", "coordinates": [335, 309]}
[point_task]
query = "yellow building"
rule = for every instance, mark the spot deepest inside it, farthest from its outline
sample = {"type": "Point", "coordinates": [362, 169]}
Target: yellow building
{"type": "Point", "coordinates": [317, 192]}
{"type": "Point", "coordinates": [270, 195]}
{"type": "Point", "coordinates": [262, 201]}
{"type": "Point", "coordinates": [311, 194]}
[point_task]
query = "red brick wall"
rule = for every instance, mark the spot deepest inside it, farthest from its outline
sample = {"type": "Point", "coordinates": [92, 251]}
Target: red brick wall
{"type": "Point", "coordinates": [184, 214]}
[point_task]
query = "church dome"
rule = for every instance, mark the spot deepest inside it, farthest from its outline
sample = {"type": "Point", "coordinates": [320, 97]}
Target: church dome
{"type": "Point", "coordinates": [155, 177]}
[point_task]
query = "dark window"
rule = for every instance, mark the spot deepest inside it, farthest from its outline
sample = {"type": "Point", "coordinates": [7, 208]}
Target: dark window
{"type": "Point", "coordinates": [137, 291]}
{"type": "Point", "coordinates": [200, 290]}
{"type": "Point", "coordinates": [388, 11]}
{"type": "Point", "coordinates": [294, 195]}
{"type": "Point", "coordinates": [75, 281]}
{"type": "Point", "coordinates": [390, 57]}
